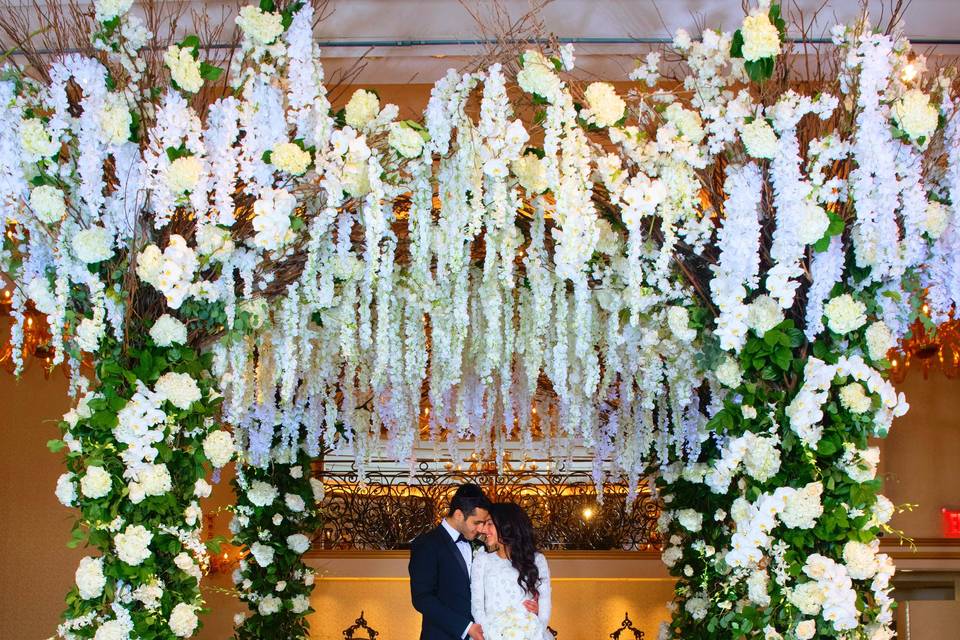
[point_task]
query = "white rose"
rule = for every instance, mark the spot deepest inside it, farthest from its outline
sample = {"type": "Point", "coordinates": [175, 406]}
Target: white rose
{"type": "Point", "coordinates": [749, 412]}
{"type": "Point", "coordinates": [289, 157]}
{"type": "Point", "coordinates": [192, 514]}
{"type": "Point", "coordinates": [183, 174]}
{"type": "Point", "coordinates": [759, 139]}
{"type": "Point", "coordinates": [48, 204]}
{"type": "Point", "coordinates": [861, 560]}
{"type": "Point", "coordinates": [89, 578]}
{"type": "Point", "coordinates": [183, 620]}
{"type": "Point", "coordinates": [537, 76]}
{"type": "Point", "coordinates": [262, 553]}
{"type": "Point", "coordinates": [316, 486]}
{"type": "Point", "coordinates": [808, 597]}
{"type": "Point", "coordinates": [844, 314]}
{"type": "Point", "coordinates": [260, 27]}
{"type": "Point", "coordinates": [671, 555]}
{"type": "Point", "coordinates": [109, 9]}
{"type": "Point", "coordinates": [606, 107]}
{"type": "Point", "coordinates": [269, 605]}
{"type": "Point", "coordinates": [149, 264]}
{"type": "Point", "coordinates": [814, 224]}
{"type": "Point", "coordinates": [180, 389]}
{"type": "Point", "coordinates": [728, 373]}
{"type": "Point", "coordinates": [261, 493]}
{"type": "Point", "coordinates": [299, 604]}
{"type": "Point", "coordinates": [761, 39]}
{"type": "Point", "coordinates": [762, 459]}
{"type": "Point", "coordinates": [66, 490]}
{"type": "Point", "coordinates": [152, 480]}
{"type": "Point", "coordinates": [184, 68]}
{"type": "Point", "coordinates": [294, 502]}
{"type": "Point", "coordinates": [690, 519]}
{"type": "Point", "coordinates": [803, 507]}
{"type": "Point", "coordinates": [96, 482]}
{"type": "Point", "coordinates": [167, 330]}
{"type": "Point", "coordinates": [214, 241]}
{"type": "Point", "coordinates": [757, 588]}
{"type": "Point", "coordinates": [202, 489]}
{"type": "Point", "coordinates": [112, 630]}
{"type": "Point", "coordinates": [93, 245]}
{"type": "Point", "coordinates": [133, 544]}
{"type": "Point", "coordinates": [405, 140]}
{"type": "Point", "coordinates": [36, 141]}
{"type": "Point", "coordinates": [879, 340]}
{"type": "Point", "coordinates": [915, 116]}
{"type": "Point", "coordinates": [882, 511]}
{"type": "Point", "coordinates": [298, 543]}
{"type": "Point", "coordinates": [936, 219]}
{"type": "Point", "coordinates": [763, 314]}
{"type": "Point", "coordinates": [853, 397]}
{"type": "Point", "coordinates": [219, 447]}
{"type": "Point", "coordinates": [277, 519]}
{"type": "Point", "coordinates": [362, 107]}
{"type": "Point", "coordinates": [296, 472]}
{"type": "Point", "coordinates": [531, 173]}
{"type": "Point", "coordinates": [806, 629]}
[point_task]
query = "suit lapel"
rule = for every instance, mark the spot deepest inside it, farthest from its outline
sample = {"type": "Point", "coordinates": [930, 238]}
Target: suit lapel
{"type": "Point", "coordinates": [452, 547]}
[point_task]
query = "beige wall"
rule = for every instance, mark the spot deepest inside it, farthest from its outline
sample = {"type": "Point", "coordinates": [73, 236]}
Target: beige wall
{"type": "Point", "coordinates": [921, 465]}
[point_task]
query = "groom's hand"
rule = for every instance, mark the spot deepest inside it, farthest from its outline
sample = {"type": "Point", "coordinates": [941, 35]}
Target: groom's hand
{"type": "Point", "coordinates": [533, 606]}
{"type": "Point", "coordinates": [475, 632]}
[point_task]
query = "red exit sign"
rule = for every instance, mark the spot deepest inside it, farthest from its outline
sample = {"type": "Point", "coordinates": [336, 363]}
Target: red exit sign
{"type": "Point", "coordinates": [950, 522]}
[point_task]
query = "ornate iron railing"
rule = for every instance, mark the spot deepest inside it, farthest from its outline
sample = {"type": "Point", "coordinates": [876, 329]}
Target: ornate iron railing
{"type": "Point", "coordinates": [392, 508]}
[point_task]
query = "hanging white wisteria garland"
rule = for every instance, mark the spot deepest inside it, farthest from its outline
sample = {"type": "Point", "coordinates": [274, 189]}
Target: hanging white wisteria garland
{"type": "Point", "coordinates": [704, 281]}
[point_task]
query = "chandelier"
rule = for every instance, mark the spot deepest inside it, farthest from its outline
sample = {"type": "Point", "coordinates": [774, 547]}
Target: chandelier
{"type": "Point", "coordinates": [928, 347]}
{"type": "Point", "coordinates": [36, 338]}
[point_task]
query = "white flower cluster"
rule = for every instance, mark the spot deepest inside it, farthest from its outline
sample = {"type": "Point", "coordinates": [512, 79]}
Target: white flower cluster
{"type": "Point", "coordinates": [513, 623]}
{"type": "Point", "coordinates": [806, 409]}
{"type": "Point", "coordinates": [170, 271]}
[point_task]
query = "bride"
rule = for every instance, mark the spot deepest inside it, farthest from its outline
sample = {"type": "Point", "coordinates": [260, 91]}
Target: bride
{"type": "Point", "coordinates": [508, 573]}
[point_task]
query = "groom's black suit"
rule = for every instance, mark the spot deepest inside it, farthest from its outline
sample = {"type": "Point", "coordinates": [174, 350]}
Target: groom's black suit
{"type": "Point", "coordinates": [440, 586]}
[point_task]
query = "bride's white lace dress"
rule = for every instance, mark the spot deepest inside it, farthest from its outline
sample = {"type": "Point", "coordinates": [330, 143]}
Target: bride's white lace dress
{"type": "Point", "coordinates": [494, 590]}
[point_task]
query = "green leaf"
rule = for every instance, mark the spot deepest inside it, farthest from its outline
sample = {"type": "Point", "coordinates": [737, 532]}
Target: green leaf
{"type": "Point", "coordinates": [267, 5]}
{"type": "Point", "coordinates": [210, 72]}
{"type": "Point", "coordinates": [56, 446]}
{"type": "Point", "coordinates": [191, 42]}
{"type": "Point", "coordinates": [267, 156]}
{"type": "Point", "coordinates": [736, 45]}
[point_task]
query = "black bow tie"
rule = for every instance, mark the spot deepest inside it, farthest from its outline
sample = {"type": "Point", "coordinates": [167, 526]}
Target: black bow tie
{"type": "Point", "coordinates": [460, 539]}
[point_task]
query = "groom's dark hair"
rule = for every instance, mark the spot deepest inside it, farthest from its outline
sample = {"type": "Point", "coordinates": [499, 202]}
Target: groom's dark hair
{"type": "Point", "coordinates": [468, 498]}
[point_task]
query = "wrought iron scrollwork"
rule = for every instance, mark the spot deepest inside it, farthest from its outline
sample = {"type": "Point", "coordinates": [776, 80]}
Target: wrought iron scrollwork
{"type": "Point", "coordinates": [627, 625]}
{"type": "Point", "coordinates": [391, 508]}
{"type": "Point", "coordinates": [360, 625]}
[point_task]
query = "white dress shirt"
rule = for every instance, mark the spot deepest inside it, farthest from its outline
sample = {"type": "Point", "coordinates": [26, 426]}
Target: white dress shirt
{"type": "Point", "coordinates": [465, 550]}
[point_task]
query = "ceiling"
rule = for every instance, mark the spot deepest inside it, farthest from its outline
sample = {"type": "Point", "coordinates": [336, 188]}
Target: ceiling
{"type": "Point", "coordinates": [406, 41]}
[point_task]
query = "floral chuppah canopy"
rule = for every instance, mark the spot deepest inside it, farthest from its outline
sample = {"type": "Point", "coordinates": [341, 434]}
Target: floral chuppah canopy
{"type": "Point", "coordinates": [707, 285]}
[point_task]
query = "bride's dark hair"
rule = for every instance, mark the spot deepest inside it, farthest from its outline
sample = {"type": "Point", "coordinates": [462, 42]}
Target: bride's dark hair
{"type": "Point", "coordinates": [515, 532]}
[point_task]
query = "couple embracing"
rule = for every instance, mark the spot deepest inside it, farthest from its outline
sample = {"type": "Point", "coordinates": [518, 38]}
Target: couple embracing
{"type": "Point", "coordinates": [494, 590]}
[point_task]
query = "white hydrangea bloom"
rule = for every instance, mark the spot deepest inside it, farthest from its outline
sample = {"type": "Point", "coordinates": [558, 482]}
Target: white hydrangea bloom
{"type": "Point", "coordinates": [289, 157]}
{"type": "Point", "coordinates": [184, 68]}
{"type": "Point", "coordinates": [914, 114]}
{"type": "Point", "coordinates": [219, 447]}
{"type": "Point", "coordinates": [261, 27]}
{"type": "Point", "coordinates": [96, 482]}
{"type": "Point", "coordinates": [183, 620]}
{"type": "Point", "coordinates": [93, 245]}
{"type": "Point", "coordinates": [879, 340]}
{"type": "Point", "coordinates": [89, 578]}
{"type": "Point", "coordinates": [261, 493]}
{"type": "Point", "coordinates": [262, 553]}
{"type": "Point", "coordinates": [133, 544]}
{"type": "Point", "coordinates": [845, 314]}
{"type": "Point", "coordinates": [759, 138]}
{"type": "Point", "coordinates": [606, 108]}
{"type": "Point", "coordinates": [48, 204]}
{"type": "Point", "coordinates": [405, 140]}
{"type": "Point", "coordinates": [167, 330]}
{"type": "Point", "coordinates": [361, 109]}
{"type": "Point", "coordinates": [183, 174]}
{"type": "Point", "coordinates": [760, 37]}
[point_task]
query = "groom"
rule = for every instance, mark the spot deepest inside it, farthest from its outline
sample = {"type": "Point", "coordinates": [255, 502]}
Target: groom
{"type": "Point", "coordinates": [440, 569]}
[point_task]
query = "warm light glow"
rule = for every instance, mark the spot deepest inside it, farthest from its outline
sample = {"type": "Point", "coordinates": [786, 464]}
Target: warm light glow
{"type": "Point", "coordinates": [587, 513]}
{"type": "Point", "coordinates": [909, 72]}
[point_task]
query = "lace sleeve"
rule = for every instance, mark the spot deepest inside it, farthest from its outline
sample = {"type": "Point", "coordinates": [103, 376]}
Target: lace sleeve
{"type": "Point", "coordinates": [544, 588]}
{"type": "Point", "coordinates": [477, 570]}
